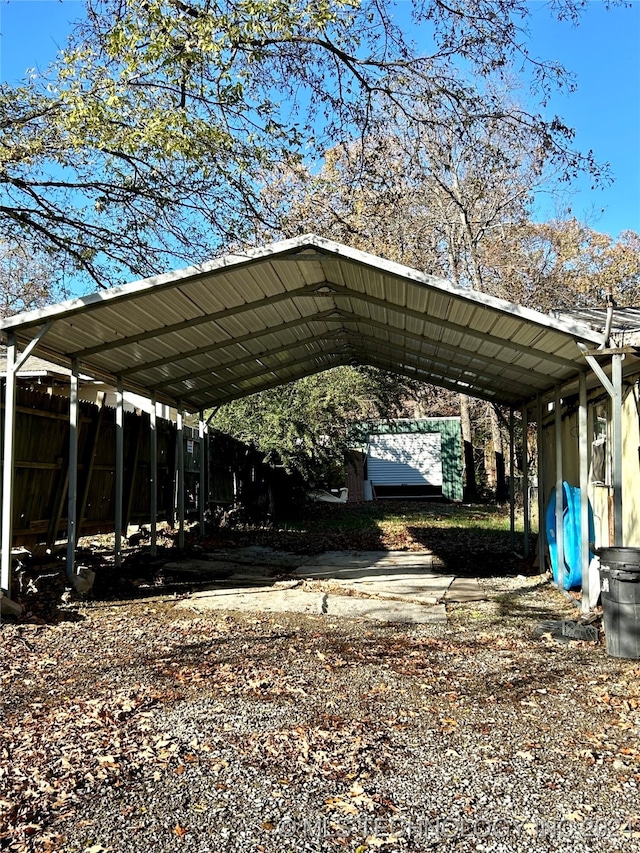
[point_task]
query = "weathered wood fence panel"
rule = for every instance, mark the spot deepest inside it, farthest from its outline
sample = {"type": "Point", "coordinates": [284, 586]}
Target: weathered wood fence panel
{"type": "Point", "coordinates": [41, 476]}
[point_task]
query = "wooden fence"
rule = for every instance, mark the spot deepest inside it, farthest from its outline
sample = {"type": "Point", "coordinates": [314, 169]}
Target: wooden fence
{"type": "Point", "coordinates": [41, 474]}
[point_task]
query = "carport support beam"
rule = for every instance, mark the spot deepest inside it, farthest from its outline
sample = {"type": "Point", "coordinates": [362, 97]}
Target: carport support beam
{"type": "Point", "coordinates": [119, 470]}
{"type": "Point", "coordinates": [559, 494]}
{"type": "Point", "coordinates": [14, 363]}
{"type": "Point", "coordinates": [542, 533]}
{"type": "Point", "coordinates": [616, 379]}
{"type": "Point", "coordinates": [525, 482]}
{"type": "Point", "coordinates": [180, 473]}
{"type": "Point", "coordinates": [583, 443]}
{"type": "Point", "coordinates": [202, 491]}
{"type": "Point", "coordinates": [153, 474]}
{"type": "Point", "coordinates": [8, 460]}
{"type": "Point", "coordinates": [72, 502]}
{"type": "Point", "coordinates": [512, 491]}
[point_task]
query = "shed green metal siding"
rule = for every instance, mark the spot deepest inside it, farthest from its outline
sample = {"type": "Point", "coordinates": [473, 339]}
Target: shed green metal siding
{"type": "Point", "coordinates": [449, 429]}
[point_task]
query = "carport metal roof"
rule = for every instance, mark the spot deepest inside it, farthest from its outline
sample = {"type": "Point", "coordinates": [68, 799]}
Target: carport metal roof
{"type": "Point", "coordinates": [239, 324]}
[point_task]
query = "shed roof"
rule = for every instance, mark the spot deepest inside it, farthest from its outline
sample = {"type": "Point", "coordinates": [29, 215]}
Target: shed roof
{"type": "Point", "coordinates": [245, 322]}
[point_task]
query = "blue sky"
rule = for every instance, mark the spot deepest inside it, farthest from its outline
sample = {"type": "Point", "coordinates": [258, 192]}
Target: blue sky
{"type": "Point", "coordinates": [603, 52]}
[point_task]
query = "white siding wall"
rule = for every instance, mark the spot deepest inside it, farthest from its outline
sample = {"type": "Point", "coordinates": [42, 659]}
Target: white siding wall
{"type": "Point", "coordinates": [406, 459]}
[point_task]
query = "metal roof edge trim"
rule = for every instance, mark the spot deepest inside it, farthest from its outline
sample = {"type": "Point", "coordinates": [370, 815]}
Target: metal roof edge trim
{"type": "Point", "coordinates": [284, 247]}
{"type": "Point", "coordinates": [156, 282]}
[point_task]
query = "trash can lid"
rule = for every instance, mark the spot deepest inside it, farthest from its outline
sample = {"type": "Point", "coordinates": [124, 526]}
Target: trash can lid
{"type": "Point", "coordinates": [628, 556]}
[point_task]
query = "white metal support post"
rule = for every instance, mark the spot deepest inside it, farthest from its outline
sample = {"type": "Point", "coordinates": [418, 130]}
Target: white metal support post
{"type": "Point", "coordinates": [7, 471]}
{"type": "Point", "coordinates": [14, 363]}
{"type": "Point", "coordinates": [72, 504]}
{"type": "Point", "coordinates": [525, 483]}
{"type": "Point", "coordinates": [542, 533]}
{"type": "Point", "coordinates": [153, 475]}
{"type": "Point", "coordinates": [180, 466]}
{"type": "Point", "coordinates": [616, 378]}
{"type": "Point", "coordinates": [559, 490]}
{"type": "Point", "coordinates": [119, 470]}
{"type": "Point", "coordinates": [202, 491]}
{"type": "Point", "coordinates": [512, 490]}
{"type": "Point", "coordinates": [583, 442]}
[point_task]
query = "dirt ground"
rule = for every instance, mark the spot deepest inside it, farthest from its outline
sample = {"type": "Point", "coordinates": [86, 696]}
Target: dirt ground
{"type": "Point", "coordinates": [129, 724]}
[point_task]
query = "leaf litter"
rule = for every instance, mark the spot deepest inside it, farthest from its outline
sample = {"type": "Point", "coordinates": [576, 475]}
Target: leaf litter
{"type": "Point", "coordinates": [133, 726]}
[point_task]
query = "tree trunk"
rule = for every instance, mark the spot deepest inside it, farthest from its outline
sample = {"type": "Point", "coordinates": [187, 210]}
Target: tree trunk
{"type": "Point", "coordinates": [496, 437]}
{"type": "Point", "coordinates": [471, 487]}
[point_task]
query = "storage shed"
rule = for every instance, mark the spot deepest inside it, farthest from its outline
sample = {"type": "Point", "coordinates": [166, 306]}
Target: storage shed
{"type": "Point", "coordinates": [415, 458]}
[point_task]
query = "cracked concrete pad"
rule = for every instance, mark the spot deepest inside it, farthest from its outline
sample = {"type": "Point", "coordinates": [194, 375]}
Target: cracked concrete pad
{"type": "Point", "coordinates": [465, 589]}
{"type": "Point", "coordinates": [278, 600]}
{"type": "Point", "coordinates": [249, 562]}
{"type": "Point", "coordinates": [201, 568]}
{"type": "Point", "coordinates": [258, 555]}
{"type": "Point", "coordinates": [340, 565]}
{"type": "Point", "coordinates": [387, 574]}
{"type": "Point", "coordinates": [399, 587]}
{"type": "Point", "coordinates": [425, 589]}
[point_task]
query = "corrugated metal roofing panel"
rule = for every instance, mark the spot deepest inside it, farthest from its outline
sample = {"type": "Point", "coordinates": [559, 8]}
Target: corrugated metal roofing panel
{"type": "Point", "coordinates": [625, 322]}
{"type": "Point", "coordinates": [206, 296]}
{"type": "Point", "coordinates": [168, 331]}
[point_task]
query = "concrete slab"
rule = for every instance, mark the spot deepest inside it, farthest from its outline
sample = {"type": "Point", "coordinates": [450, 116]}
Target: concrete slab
{"type": "Point", "coordinates": [271, 600]}
{"type": "Point", "coordinates": [200, 568]}
{"type": "Point", "coordinates": [425, 589]}
{"type": "Point", "coordinates": [353, 560]}
{"type": "Point", "coordinates": [385, 574]}
{"type": "Point", "coordinates": [388, 586]}
{"type": "Point", "coordinates": [465, 589]}
{"type": "Point", "coordinates": [359, 564]}
{"type": "Point", "coordinates": [258, 555]}
{"type": "Point", "coordinates": [220, 569]}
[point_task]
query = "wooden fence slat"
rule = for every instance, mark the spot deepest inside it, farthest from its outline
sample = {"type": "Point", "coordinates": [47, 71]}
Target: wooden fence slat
{"type": "Point", "coordinates": [89, 459]}
{"type": "Point", "coordinates": [41, 476]}
{"type": "Point", "coordinates": [131, 466]}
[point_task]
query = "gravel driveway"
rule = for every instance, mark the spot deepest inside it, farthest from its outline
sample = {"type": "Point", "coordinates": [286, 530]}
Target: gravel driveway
{"type": "Point", "coordinates": [153, 728]}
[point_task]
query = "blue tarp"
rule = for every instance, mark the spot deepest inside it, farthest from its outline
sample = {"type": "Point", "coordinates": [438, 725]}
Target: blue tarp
{"type": "Point", "coordinates": [572, 575]}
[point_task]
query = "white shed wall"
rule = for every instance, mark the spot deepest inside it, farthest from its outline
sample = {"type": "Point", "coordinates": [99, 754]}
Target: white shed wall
{"type": "Point", "coordinates": [405, 459]}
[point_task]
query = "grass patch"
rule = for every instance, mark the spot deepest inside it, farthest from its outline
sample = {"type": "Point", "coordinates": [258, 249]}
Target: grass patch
{"type": "Point", "coordinates": [472, 540]}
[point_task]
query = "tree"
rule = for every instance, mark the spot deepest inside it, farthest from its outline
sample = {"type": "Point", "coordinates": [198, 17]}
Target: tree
{"type": "Point", "coordinates": [562, 264]}
{"type": "Point", "coordinates": [143, 144]}
{"type": "Point", "coordinates": [448, 183]}
{"type": "Point", "coordinates": [26, 280]}
{"type": "Point", "coordinates": [307, 425]}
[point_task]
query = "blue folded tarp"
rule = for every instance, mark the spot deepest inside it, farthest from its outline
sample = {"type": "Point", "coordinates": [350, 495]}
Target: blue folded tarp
{"type": "Point", "coordinates": [572, 574]}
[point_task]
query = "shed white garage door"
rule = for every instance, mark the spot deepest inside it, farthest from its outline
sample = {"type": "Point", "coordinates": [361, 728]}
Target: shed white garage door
{"type": "Point", "coordinates": [408, 459]}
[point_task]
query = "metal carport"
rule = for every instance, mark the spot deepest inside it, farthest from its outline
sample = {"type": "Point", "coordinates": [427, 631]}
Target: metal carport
{"type": "Point", "coordinates": [202, 336]}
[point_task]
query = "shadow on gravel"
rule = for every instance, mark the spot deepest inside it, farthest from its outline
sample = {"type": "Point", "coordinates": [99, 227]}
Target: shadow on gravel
{"type": "Point", "coordinates": [517, 603]}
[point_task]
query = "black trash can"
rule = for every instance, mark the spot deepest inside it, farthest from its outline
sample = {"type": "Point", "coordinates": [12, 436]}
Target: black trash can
{"type": "Point", "coordinates": [620, 587]}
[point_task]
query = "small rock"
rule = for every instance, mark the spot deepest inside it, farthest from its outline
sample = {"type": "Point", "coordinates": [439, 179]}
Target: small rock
{"type": "Point", "coordinates": [82, 582]}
